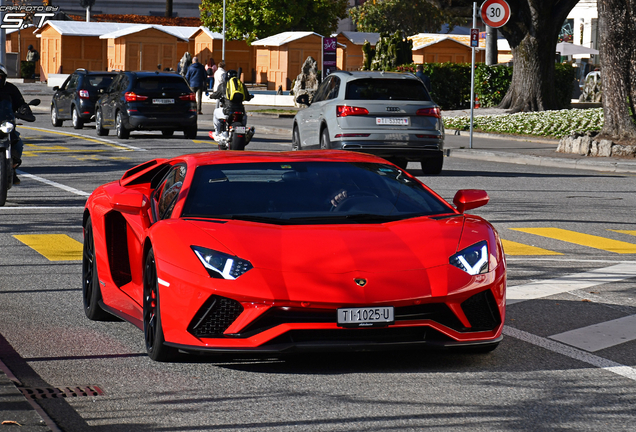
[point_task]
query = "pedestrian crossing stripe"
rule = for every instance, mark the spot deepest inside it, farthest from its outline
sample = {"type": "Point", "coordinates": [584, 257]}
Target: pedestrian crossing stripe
{"type": "Point", "coordinates": [519, 249]}
{"type": "Point", "coordinates": [54, 247]}
{"type": "Point", "coordinates": [588, 240]}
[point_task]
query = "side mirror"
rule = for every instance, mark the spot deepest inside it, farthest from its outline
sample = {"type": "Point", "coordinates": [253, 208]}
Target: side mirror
{"type": "Point", "coordinates": [467, 199]}
{"type": "Point", "coordinates": [56, 88]}
{"type": "Point", "coordinates": [303, 99]}
{"type": "Point", "coordinates": [130, 202]}
{"type": "Point", "coordinates": [35, 102]}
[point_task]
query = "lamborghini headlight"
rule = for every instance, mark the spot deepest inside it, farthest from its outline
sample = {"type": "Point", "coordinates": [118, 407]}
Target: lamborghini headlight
{"type": "Point", "coordinates": [7, 127]}
{"type": "Point", "coordinates": [221, 265]}
{"type": "Point", "coordinates": [473, 260]}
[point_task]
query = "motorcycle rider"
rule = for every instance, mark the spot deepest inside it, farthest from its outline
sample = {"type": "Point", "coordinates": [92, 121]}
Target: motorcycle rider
{"type": "Point", "coordinates": [23, 111]}
{"type": "Point", "coordinates": [224, 106]}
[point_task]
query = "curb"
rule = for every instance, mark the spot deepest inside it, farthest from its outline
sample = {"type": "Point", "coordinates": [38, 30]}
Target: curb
{"type": "Point", "coordinates": [458, 132]}
{"type": "Point", "coordinates": [587, 164]}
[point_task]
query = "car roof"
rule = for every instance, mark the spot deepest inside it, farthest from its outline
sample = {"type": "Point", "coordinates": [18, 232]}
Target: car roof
{"type": "Point", "coordinates": [143, 74]}
{"type": "Point", "coordinates": [212, 158]}
{"type": "Point", "coordinates": [373, 74]}
{"type": "Point", "coordinates": [87, 72]}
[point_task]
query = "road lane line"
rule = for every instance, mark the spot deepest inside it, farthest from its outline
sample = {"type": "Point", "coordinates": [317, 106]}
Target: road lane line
{"type": "Point", "coordinates": [581, 239]}
{"type": "Point", "coordinates": [573, 282]}
{"type": "Point", "coordinates": [54, 247]}
{"type": "Point", "coordinates": [110, 143]}
{"type": "Point", "coordinates": [54, 184]}
{"type": "Point", "coordinates": [571, 352]}
{"type": "Point", "coordinates": [519, 249]}
{"type": "Point", "coordinates": [600, 336]}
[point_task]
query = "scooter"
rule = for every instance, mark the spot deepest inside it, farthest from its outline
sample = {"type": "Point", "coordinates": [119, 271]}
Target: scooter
{"type": "Point", "coordinates": [233, 135]}
{"type": "Point", "coordinates": [7, 126]}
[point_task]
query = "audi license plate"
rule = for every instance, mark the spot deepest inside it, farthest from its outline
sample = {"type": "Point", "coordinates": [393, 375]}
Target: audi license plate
{"type": "Point", "coordinates": [393, 121]}
{"type": "Point", "coordinates": [365, 316]}
{"type": "Point", "coordinates": [239, 129]}
{"type": "Point", "coordinates": [163, 101]}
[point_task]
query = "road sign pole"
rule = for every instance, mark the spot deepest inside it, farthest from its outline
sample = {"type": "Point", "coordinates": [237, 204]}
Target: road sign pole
{"type": "Point", "coordinates": [472, 81]}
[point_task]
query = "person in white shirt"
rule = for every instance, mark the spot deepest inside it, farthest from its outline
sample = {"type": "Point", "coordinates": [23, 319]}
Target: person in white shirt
{"type": "Point", "coordinates": [219, 75]}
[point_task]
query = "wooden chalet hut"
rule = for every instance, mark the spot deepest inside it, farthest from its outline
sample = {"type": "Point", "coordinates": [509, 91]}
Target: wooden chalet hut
{"type": "Point", "coordinates": [69, 45]}
{"type": "Point", "coordinates": [444, 48]}
{"type": "Point", "coordinates": [146, 47]}
{"type": "Point", "coordinates": [238, 54]}
{"type": "Point", "coordinates": [352, 56]}
{"type": "Point", "coordinates": [279, 58]}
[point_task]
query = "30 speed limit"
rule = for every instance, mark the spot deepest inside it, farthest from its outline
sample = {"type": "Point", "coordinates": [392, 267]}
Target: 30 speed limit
{"type": "Point", "coordinates": [495, 13]}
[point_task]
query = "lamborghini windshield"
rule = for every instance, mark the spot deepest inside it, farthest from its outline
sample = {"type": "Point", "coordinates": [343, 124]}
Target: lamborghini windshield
{"type": "Point", "coordinates": [308, 192]}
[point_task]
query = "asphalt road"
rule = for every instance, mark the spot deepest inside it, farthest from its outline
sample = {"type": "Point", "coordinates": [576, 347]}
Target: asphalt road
{"type": "Point", "coordinates": [552, 371]}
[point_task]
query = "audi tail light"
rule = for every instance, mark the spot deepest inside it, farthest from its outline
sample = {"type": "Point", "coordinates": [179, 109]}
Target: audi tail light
{"type": "Point", "coordinates": [134, 97]}
{"type": "Point", "coordinates": [429, 112]}
{"type": "Point", "coordinates": [346, 110]}
{"type": "Point", "coordinates": [83, 94]}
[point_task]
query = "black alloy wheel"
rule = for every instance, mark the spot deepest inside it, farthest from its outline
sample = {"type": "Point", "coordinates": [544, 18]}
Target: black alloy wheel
{"type": "Point", "coordinates": [122, 132]}
{"type": "Point", "coordinates": [325, 143]}
{"type": "Point", "coordinates": [78, 123]}
{"type": "Point", "coordinates": [153, 332]}
{"type": "Point", "coordinates": [296, 139]}
{"type": "Point", "coordinates": [91, 292]}
{"type": "Point", "coordinates": [99, 125]}
{"type": "Point", "coordinates": [55, 118]}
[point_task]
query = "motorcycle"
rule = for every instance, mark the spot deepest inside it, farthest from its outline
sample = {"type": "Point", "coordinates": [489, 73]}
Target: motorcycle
{"type": "Point", "coordinates": [7, 126]}
{"type": "Point", "coordinates": [233, 135]}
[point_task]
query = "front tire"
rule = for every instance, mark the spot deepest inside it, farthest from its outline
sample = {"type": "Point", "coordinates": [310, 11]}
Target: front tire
{"type": "Point", "coordinates": [433, 166]}
{"type": "Point", "coordinates": [191, 132]}
{"type": "Point", "coordinates": [99, 124]}
{"type": "Point", "coordinates": [325, 142]}
{"type": "Point", "coordinates": [55, 118]}
{"type": "Point", "coordinates": [4, 176]}
{"type": "Point", "coordinates": [153, 332]}
{"type": "Point", "coordinates": [91, 292]}
{"type": "Point", "coordinates": [78, 123]}
{"type": "Point", "coordinates": [296, 139]}
{"type": "Point", "coordinates": [122, 132]}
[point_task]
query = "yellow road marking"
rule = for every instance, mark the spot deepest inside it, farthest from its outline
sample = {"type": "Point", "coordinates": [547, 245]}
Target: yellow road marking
{"type": "Point", "coordinates": [581, 239]}
{"type": "Point", "coordinates": [203, 141]}
{"type": "Point", "coordinates": [514, 248]}
{"type": "Point", "coordinates": [630, 232]}
{"type": "Point", "coordinates": [78, 136]}
{"type": "Point", "coordinates": [54, 247]}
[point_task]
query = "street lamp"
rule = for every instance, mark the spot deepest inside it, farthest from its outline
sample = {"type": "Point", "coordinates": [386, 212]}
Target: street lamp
{"type": "Point", "coordinates": [223, 49]}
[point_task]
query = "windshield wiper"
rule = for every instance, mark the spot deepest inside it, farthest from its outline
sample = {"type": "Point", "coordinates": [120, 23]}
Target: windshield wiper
{"type": "Point", "coordinates": [356, 217]}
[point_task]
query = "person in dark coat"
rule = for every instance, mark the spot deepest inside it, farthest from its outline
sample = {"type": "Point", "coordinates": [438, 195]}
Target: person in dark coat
{"type": "Point", "coordinates": [423, 77]}
{"type": "Point", "coordinates": [196, 78]}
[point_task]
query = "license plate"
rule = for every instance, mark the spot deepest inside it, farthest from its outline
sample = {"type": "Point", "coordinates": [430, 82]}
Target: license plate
{"type": "Point", "coordinates": [365, 316]}
{"type": "Point", "coordinates": [163, 101]}
{"type": "Point", "coordinates": [239, 129]}
{"type": "Point", "coordinates": [394, 121]}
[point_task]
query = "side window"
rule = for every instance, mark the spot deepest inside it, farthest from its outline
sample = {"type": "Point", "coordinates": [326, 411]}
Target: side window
{"type": "Point", "coordinates": [323, 91]}
{"type": "Point", "coordinates": [168, 191]}
{"type": "Point", "coordinates": [125, 82]}
{"type": "Point", "coordinates": [334, 87]}
{"type": "Point", "coordinates": [72, 84]}
{"type": "Point", "coordinates": [114, 85]}
{"type": "Point", "coordinates": [65, 85]}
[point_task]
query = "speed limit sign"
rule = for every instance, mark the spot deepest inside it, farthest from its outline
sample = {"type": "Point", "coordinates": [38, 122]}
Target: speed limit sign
{"type": "Point", "coordinates": [495, 13]}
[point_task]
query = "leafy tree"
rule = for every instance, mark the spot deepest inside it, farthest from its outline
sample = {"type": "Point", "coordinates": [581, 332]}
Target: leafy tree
{"type": "Point", "coordinates": [249, 19]}
{"type": "Point", "coordinates": [617, 27]}
{"type": "Point", "coordinates": [409, 16]}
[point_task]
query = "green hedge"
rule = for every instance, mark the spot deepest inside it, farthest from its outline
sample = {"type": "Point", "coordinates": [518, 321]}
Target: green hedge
{"type": "Point", "coordinates": [450, 83]}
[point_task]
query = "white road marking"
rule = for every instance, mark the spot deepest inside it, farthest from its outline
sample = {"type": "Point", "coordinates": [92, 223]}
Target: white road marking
{"type": "Point", "coordinates": [600, 336]}
{"type": "Point", "coordinates": [573, 282]}
{"type": "Point", "coordinates": [571, 352]}
{"type": "Point", "coordinates": [54, 184]}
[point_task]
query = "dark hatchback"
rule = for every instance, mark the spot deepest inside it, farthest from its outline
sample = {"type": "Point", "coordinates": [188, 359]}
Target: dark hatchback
{"type": "Point", "coordinates": [147, 101]}
{"type": "Point", "coordinates": [75, 99]}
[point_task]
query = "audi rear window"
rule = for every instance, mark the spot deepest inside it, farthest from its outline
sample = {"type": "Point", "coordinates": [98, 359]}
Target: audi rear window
{"type": "Point", "coordinates": [162, 83]}
{"type": "Point", "coordinates": [386, 89]}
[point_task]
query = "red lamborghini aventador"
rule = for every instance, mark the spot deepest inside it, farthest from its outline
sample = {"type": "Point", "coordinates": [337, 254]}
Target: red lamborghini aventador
{"type": "Point", "coordinates": [276, 252]}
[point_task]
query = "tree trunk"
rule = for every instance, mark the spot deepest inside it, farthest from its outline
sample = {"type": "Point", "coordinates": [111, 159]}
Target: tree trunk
{"type": "Point", "coordinates": [169, 8]}
{"type": "Point", "coordinates": [532, 33]}
{"type": "Point", "coordinates": [617, 29]}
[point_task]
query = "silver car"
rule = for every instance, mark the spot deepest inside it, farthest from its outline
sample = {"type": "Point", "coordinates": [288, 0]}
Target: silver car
{"type": "Point", "coordinates": [387, 114]}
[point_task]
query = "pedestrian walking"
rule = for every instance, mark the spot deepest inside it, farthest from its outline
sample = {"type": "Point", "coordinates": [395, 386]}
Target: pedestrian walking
{"type": "Point", "coordinates": [196, 78]}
